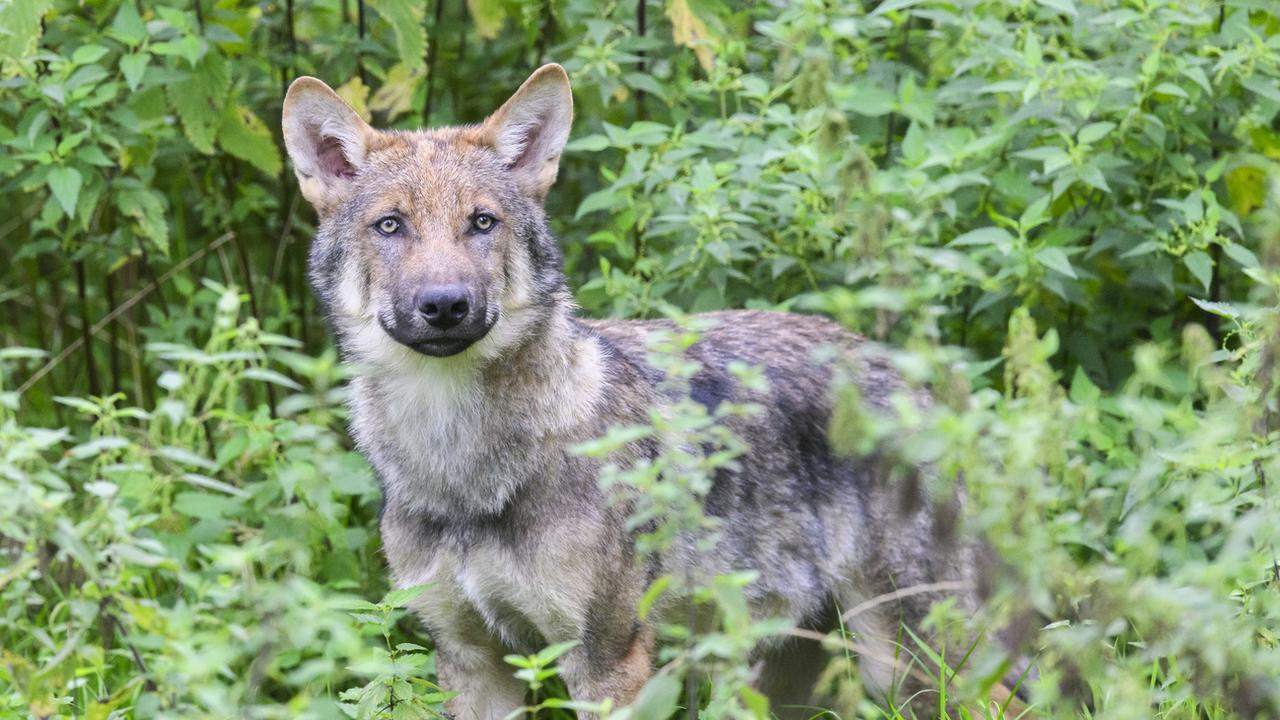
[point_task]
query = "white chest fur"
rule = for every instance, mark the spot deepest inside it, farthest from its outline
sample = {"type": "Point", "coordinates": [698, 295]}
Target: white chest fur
{"type": "Point", "coordinates": [523, 598]}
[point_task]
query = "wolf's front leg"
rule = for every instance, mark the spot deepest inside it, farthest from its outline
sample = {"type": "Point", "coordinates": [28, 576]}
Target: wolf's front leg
{"type": "Point", "coordinates": [609, 668]}
{"type": "Point", "coordinates": [486, 687]}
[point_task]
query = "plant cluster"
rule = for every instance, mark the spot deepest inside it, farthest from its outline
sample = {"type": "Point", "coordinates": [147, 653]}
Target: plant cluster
{"type": "Point", "coordinates": [1064, 217]}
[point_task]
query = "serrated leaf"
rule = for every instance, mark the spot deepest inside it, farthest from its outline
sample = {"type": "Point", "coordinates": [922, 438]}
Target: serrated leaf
{"type": "Point", "coordinates": [127, 27]}
{"type": "Point", "coordinates": [1246, 188]}
{"type": "Point", "coordinates": [405, 19]}
{"type": "Point", "coordinates": [1056, 259]}
{"type": "Point", "coordinates": [1264, 86]}
{"type": "Point", "coordinates": [65, 183]}
{"type": "Point", "coordinates": [1168, 88]}
{"type": "Point", "coordinates": [271, 376]}
{"type": "Point", "coordinates": [590, 143]}
{"type": "Point", "coordinates": [134, 67]}
{"type": "Point", "coordinates": [199, 100]}
{"type": "Point", "coordinates": [205, 506]}
{"type": "Point", "coordinates": [395, 97]}
{"type": "Point", "coordinates": [1093, 132]}
{"type": "Point", "coordinates": [20, 22]}
{"type": "Point", "coordinates": [1035, 215]}
{"type": "Point", "coordinates": [1220, 309]}
{"type": "Point", "coordinates": [689, 30]}
{"type": "Point", "coordinates": [86, 54]}
{"type": "Point", "coordinates": [243, 135]}
{"type": "Point", "coordinates": [488, 16]}
{"type": "Point", "coordinates": [598, 200]}
{"type": "Point", "coordinates": [656, 588]}
{"type": "Point", "coordinates": [991, 235]}
{"type": "Point", "coordinates": [657, 699]}
{"type": "Point", "coordinates": [1242, 255]}
{"type": "Point", "coordinates": [147, 209]}
{"type": "Point", "coordinates": [402, 596]}
{"type": "Point", "coordinates": [1083, 391]}
{"type": "Point", "coordinates": [1201, 266]}
{"type": "Point", "coordinates": [356, 94]}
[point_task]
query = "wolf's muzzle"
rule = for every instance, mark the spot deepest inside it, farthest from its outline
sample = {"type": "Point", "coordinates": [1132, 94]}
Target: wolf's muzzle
{"type": "Point", "coordinates": [438, 320]}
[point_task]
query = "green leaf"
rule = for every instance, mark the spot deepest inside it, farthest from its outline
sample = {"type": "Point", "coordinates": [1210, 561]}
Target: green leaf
{"type": "Point", "coordinates": [1221, 309]}
{"type": "Point", "coordinates": [65, 183]}
{"type": "Point", "coordinates": [991, 235]}
{"type": "Point", "coordinates": [1056, 259]}
{"type": "Point", "coordinates": [243, 135]}
{"type": "Point", "coordinates": [551, 653]}
{"type": "Point", "coordinates": [913, 147]}
{"type": "Point", "coordinates": [756, 702]}
{"type": "Point", "coordinates": [1066, 7]}
{"type": "Point", "coordinates": [598, 200]}
{"type": "Point", "coordinates": [590, 143]}
{"type": "Point", "coordinates": [889, 6]}
{"type": "Point", "coordinates": [1036, 214]}
{"type": "Point", "coordinates": [20, 31]}
{"type": "Point", "coordinates": [134, 68]}
{"type": "Point", "coordinates": [402, 596]}
{"type": "Point", "coordinates": [199, 100]}
{"type": "Point", "coordinates": [656, 588]}
{"type": "Point", "coordinates": [1242, 255]}
{"type": "Point", "coordinates": [657, 699]}
{"type": "Point", "coordinates": [488, 16]}
{"type": "Point", "coordinates": [127, 27]}
{"type": "Point", "coordinates": [146, 208]}
{"type": "Point", "coordinates": [86, 54]}
{"type": "Point", "coordinates": [205, 506]}
{"type": "Point", "coordinates": [1083, 391]}
{"type": "Point", "coordinates": [1093, 132]}
{"type": "Point", "coordinates": [405, 19]}
{"type": "Point", "coordinates": [1201, 266]}
{"type": "Point", "coordinates": [271, 376]}
{"type": "Point", "coordinates": [1168, 88]}
{"type": "Point", "coordinates": [1264, 86]}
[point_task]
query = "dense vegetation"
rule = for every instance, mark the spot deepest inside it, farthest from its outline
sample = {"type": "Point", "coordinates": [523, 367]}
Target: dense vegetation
{"type": "Point", "coordinates": [1064, 215]}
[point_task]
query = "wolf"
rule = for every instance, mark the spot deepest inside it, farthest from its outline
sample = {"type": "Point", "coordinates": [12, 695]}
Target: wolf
{"type": "Point", "coordinates": [443, 284]}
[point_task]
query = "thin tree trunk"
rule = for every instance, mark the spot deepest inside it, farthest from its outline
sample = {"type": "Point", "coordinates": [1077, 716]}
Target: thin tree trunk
{"type": "Point", "coordinates": [640, 64]}
{"type": "Point", "coordinates": [431, 62]}
{"type": "Point", "coordinates": [113, 337]}
{"type": "Point", "coordinates": [90, 369]}
{"type": "Point", "coordinates": [364, 78]}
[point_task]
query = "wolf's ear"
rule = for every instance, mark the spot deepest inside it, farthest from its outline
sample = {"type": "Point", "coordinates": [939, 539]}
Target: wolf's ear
{"type": "Point", "coordinates": [326, 139]}
{"type": "Point", "coordinates": [529, 130]}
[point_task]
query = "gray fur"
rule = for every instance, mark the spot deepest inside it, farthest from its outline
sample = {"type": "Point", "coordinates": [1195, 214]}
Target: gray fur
{"type": "Point", "coordinates": [483, 499]}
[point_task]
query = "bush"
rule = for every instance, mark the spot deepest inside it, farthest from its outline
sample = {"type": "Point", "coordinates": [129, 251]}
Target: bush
{"type": "Point", "coordinates": [1064, 216]}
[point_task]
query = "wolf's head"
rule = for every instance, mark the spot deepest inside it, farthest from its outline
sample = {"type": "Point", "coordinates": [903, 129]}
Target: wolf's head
{"type": "Point", "coordinates": [435, 239]}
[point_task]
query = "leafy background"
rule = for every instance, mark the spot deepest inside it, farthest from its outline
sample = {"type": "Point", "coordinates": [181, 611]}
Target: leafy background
{"type": "Point", "coordinates": [1064, 215]}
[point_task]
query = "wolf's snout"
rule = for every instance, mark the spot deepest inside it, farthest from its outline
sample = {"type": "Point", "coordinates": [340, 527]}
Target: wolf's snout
{"type": "Point", "coordinates": [445, 306]}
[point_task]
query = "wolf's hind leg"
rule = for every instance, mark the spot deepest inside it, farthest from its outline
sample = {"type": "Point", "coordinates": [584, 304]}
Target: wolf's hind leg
{"type": "Point", "coordinates": [485, 683]}
{"type": "Point", "coordinates": [594, 673]}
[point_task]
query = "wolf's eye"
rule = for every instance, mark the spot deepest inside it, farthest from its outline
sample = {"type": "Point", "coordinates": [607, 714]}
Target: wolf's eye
{"type": "Point", "coordinates": [388, 225]}
{"type": "Point", "coordinates": [483, 222]}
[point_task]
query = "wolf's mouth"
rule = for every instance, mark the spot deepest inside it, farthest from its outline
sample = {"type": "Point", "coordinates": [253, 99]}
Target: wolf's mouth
{"type": "Point", "coordinates": [443, 347]}
{"type": "Point", "coordinates": [433, 345]}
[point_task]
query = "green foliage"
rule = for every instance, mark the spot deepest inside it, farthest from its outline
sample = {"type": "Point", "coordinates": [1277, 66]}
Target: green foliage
{"type": "Point", "coordinates": [1065, 216]}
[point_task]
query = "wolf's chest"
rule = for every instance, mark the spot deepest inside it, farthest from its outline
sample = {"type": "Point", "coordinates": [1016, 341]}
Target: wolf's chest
{"type": "Point", "coordinates": [438, 447]}
{"type": "Point", "coordinates": [526, 600]}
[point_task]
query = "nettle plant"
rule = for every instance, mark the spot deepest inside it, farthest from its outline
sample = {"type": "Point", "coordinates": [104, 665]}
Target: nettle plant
{"type": "Point", "coordinates": [666, 497]}
{"type": "Point", "coordinates": [1063, 214]}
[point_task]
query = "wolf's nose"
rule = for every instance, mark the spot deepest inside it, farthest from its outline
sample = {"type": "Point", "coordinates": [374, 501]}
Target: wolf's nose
{"type": "Point", "coordinates": [444, 307]}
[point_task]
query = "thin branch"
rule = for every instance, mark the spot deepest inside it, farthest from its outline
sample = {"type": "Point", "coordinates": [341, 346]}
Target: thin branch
{"type": "Point", "coordinates": [124, 307]}
{"type": "Point", "coordinates": [945, 586]}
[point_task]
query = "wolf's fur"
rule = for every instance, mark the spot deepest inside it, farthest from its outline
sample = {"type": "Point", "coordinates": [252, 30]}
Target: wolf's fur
{"type": "Point", "coordinates": [482, 498]}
